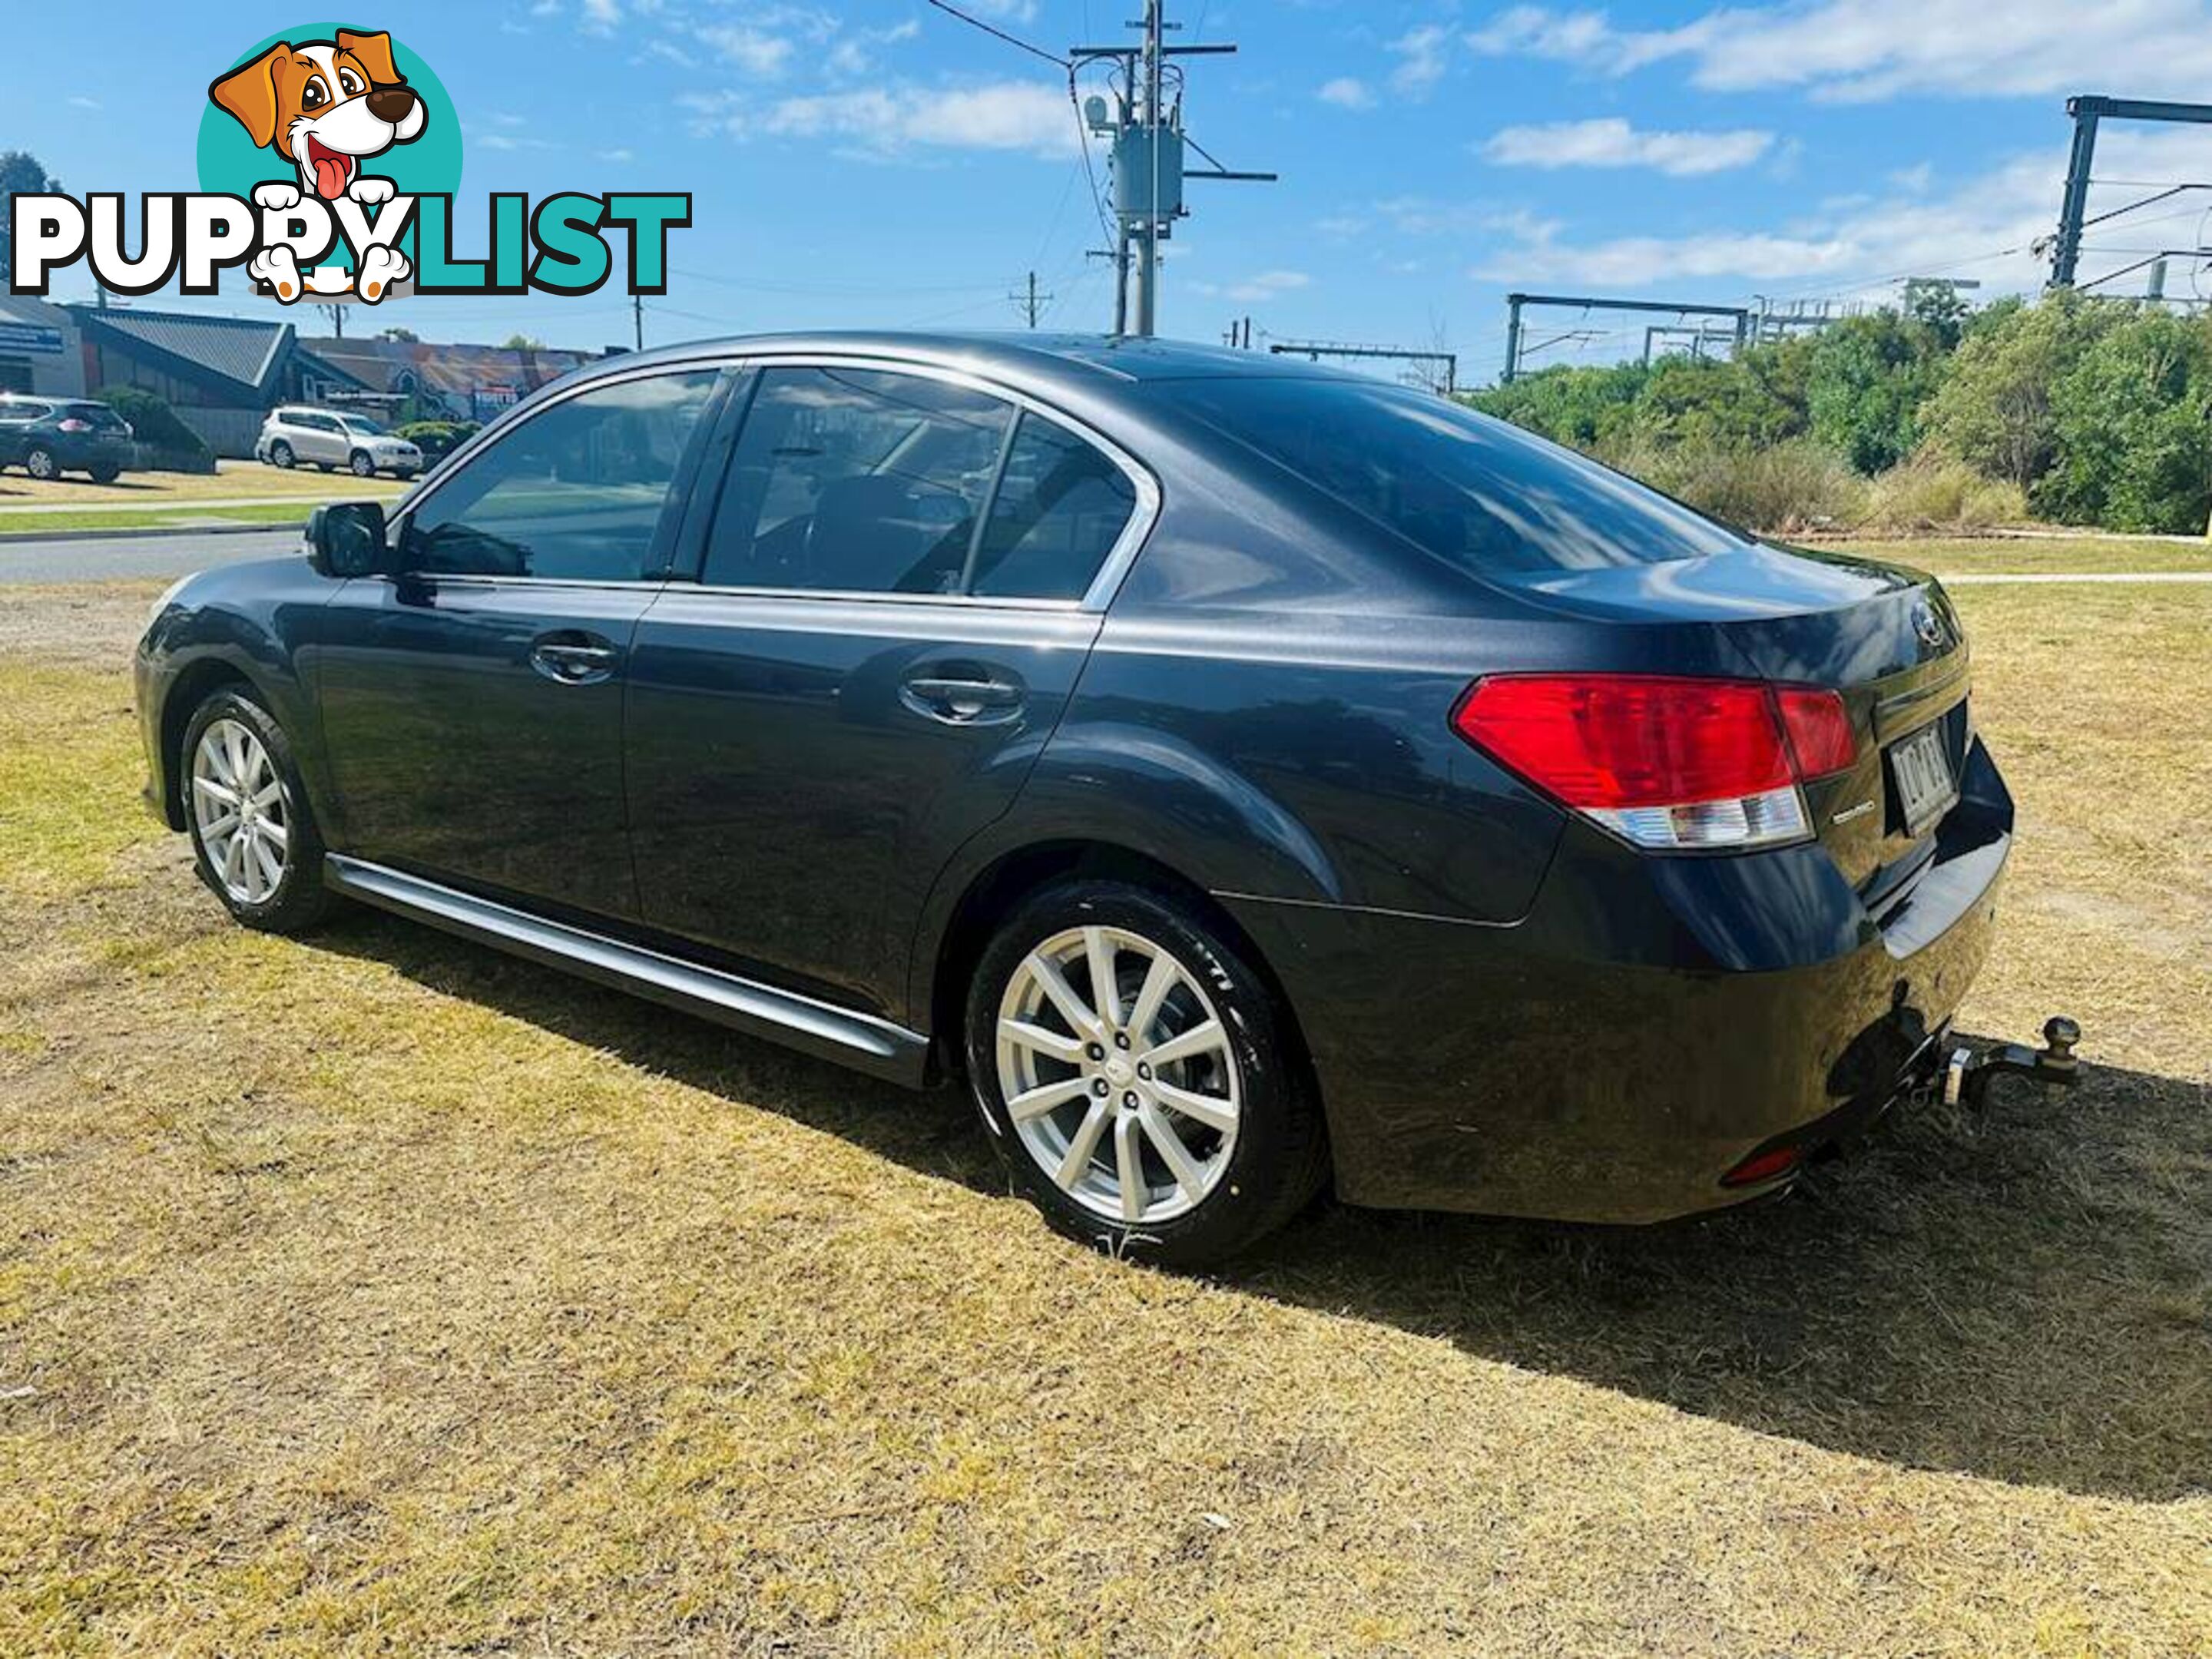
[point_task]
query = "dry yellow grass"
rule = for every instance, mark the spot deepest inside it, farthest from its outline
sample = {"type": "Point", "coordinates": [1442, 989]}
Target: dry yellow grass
{"type": "Point", "coordinates": [231, 481]}
{"type": "Point", "coordinates": [2032, 555]}
{"type": "Point", "coordinates": [378, 1294]}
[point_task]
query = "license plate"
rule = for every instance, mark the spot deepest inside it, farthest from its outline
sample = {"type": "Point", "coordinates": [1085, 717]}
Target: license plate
{"type": "Point", "coordinates": [1920, 772]}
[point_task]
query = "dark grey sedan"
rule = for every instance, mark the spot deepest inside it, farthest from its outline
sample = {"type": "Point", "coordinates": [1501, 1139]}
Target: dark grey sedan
{"type": "Point", "coordinates": [1240, 776]}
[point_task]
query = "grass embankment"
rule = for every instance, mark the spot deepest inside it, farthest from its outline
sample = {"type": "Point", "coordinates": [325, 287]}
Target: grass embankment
{"type": "Point", "coordinates": [378, 1292]}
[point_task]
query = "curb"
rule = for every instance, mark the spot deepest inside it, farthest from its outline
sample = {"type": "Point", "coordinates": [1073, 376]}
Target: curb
{"type": "Point", "coordinates": [9, 535]}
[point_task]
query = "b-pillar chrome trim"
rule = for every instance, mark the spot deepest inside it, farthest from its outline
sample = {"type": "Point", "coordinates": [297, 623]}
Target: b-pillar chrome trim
{"type": "Point", "coordinates": [817, 1028]}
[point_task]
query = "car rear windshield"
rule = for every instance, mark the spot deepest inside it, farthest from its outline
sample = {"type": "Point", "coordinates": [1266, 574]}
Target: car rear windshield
{"type": "Point", "coordinates": [1481, 495]}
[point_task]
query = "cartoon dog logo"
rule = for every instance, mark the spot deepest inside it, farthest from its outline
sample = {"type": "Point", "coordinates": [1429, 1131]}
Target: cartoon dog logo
{"type": "Point", "coordinates": [325, 106]}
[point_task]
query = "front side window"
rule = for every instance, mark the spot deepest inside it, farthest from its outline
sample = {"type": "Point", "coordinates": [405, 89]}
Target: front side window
{"type": "Point", "coordinates": [856, 481]}
{"type": "Point", "coordinates": [361, 424]}
{"type": "Point", "coordinates": [574, 494]}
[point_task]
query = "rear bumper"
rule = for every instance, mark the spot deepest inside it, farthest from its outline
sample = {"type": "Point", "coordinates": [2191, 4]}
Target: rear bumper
{"type": "Point", "coordinates": [1651, 1023]}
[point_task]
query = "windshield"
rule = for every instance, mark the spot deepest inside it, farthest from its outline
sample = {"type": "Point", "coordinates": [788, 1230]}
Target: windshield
{"type": "Point", "coordinates": [362, 424]}
{"type": "Point", "coordinates": [1477, 493]}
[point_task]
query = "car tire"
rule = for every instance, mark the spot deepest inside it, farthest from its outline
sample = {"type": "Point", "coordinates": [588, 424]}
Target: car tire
{"type": "Point", "coordinates": [267, 871]}
{"type": "Point", "coordinates": [280, 455]}
{"type": "Point", "coordinates": [105, 474]}
{"type": "Point", "coordinates": [361, 465]}
{"type": "Point", "coordinates": [40, 463]}
{"type": "Point", "coordinates": [1225, 1136]}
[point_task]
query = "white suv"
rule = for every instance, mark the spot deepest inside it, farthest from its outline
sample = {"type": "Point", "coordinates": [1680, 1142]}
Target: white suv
{"type": "Point", "coordinates": [328, 438]}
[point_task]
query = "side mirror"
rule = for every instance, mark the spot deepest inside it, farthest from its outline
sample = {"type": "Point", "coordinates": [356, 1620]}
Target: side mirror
{"type": "Point", "coordinates": [346, 538]}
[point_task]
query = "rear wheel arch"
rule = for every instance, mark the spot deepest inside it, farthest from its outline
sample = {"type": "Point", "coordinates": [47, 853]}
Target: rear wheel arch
{"type": "Point", "coordinates": [995, 891]}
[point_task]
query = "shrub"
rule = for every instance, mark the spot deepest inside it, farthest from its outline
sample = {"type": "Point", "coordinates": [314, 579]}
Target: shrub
{"type": "Point", "coordinates": [168, 442]}
{"type": "Point", "coordinates": [1797, 484]}
{"type": "Point", "coordinates": [1933, 491]}
{"type": "Point", "coordinates": [438, 439]}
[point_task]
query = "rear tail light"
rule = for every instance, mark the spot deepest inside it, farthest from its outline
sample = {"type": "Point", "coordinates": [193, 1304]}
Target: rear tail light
{"type": "Point", "coordinates": [1664, 762]}
{"type": "Point", "coordinates": [1762, 1166]}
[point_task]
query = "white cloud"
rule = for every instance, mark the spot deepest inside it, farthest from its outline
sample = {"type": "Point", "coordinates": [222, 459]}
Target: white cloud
{"type": "Point", "coordinates": [601, 16]}
{"type": "Point", "coordinates": [1002, 115]}
{"type": "Point", "coordinates": [1855, 50]}
{"type": "Point", "coordinates": [1983, 227]}
{"type": "Point", "coordinates": [1346, 92]}
{"type": "Point", "coordinates": [856, 54]}
{"type": "Point", "coordinates": [1253, 290]}
{"type": "Point", "coordinates": [1422, 54]}
{"type": "Point", "coordinates": [754, 50]}
{"type": "Point", "coordinates": [1613, 143]}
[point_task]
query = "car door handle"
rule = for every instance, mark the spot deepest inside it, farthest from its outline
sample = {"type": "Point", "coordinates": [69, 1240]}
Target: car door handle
{"type": "Point", "coordinates": [961, 700]}
{"type": "Point", "coordinates": [574, 659]}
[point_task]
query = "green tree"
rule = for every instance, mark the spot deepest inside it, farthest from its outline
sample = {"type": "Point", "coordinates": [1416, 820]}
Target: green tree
{"type": "Point", "coordinates": [1939, 307]}
{"type": "Point", "coordinates": [1994, 409]}
{"type": "Point", "coordinates": [1867, 380]}
{"type": "Point", "coordinates": [522, 343]}
{"type": "Point", "coordinates": [2129, 421]}
{"type": "Point", "coordinates": [1582, 406]}
{"type": "Point", "coordinates": [19, 171]}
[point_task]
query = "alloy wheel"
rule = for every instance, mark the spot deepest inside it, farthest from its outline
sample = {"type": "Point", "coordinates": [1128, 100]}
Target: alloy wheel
{"type": "Point", "coordinates": [1117, 1074]}
{"type": "Point", "coordinates": [239, 810]}
{"type": "Point", "coordinates": [39, 464]}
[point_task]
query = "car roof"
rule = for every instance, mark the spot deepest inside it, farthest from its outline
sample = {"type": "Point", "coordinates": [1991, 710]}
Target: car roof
{"type": "Point", "coordinates": [1020, 358]}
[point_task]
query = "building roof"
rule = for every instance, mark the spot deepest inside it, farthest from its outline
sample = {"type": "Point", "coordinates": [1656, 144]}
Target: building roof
{"type": "Point", "coordinates": [241, 349]}
{"type": "Point", "coordinates": [425, 366]}
{"type": "Point", "coordinates": [33, 313]}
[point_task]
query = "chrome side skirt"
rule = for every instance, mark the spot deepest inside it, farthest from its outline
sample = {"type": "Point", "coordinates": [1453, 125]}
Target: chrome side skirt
{"type": "Point", "coordinates": [853, 1039]}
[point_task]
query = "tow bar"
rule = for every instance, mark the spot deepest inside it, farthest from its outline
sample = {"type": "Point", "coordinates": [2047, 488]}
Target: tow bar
{"type": "Point", "coordinates": [1968, 1074]}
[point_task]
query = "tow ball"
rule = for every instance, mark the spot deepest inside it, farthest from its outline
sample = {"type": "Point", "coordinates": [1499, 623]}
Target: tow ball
{"type": "Point", "coordinates": [1967, 1075]}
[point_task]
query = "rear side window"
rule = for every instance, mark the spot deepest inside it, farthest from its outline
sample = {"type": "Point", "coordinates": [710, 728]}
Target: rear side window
{"type": "Point", "coordinates": [856, 481]}
{"type": "Point", "coordinates": [98, 416]}
{"type": "Point", "coordinates": [574, 494]}
{"type": "Point", "coordinates": [1061, 506]}
{"type": "Point", "coordinates": [1479, 494]}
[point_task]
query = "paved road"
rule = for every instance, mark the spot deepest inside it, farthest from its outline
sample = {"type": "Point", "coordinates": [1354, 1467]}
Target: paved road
{"type": "Point", "coordinates": [117, 558]}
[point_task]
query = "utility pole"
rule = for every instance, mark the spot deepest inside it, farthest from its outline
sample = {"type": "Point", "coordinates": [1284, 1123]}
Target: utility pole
{"type": "Point", "coordinates": [1031, 304]}
{"type": "Point", "coordinates": [1442, 376]}
{"type": "Point", "coordinates": [637, 318]}
{"type": "Point", "coordinates": [1147, 161]}
{"type": "Point", "coordinates": [2088, 110]}
{"type": "Point", "coordinates": [1515, 352]}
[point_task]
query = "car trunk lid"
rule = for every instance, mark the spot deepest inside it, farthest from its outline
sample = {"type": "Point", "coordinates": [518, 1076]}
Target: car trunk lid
{"type": "Point", "coordinates": [1885, 637]}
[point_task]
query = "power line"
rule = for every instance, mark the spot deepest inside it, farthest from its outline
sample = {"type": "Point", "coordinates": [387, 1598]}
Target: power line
{"type": "Point", "coordinates": [992, 29]}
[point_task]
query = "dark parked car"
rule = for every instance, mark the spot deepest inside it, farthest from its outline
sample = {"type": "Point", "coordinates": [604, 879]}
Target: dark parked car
{"type": "Point", "coordinates": [49, 436]}
{"type": "Point", "coordinates": [1244, 775]}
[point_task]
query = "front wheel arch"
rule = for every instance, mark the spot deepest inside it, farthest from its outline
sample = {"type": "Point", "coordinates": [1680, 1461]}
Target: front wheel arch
{"type": "Point", "coordinates": [193, 687]}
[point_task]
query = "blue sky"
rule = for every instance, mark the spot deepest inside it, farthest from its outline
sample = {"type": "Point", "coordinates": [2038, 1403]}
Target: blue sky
{"type": "Point", "coordinates": [874, 162]}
